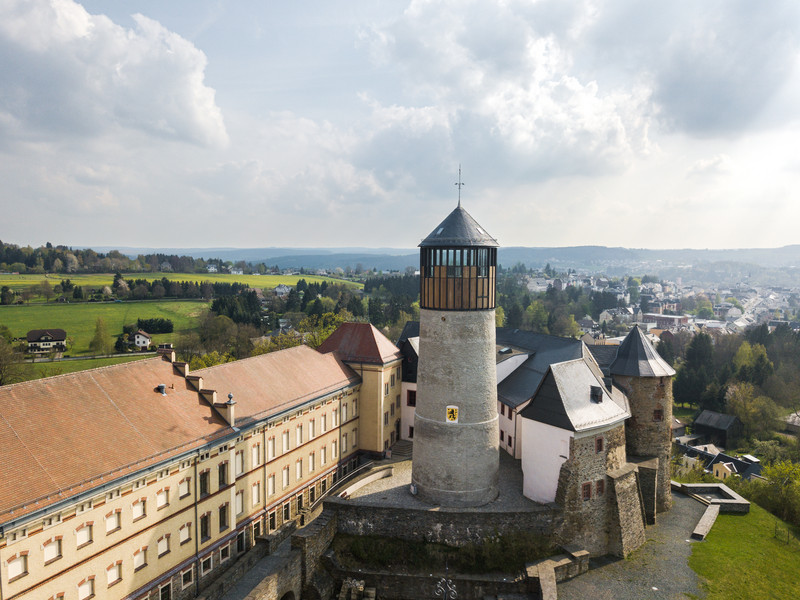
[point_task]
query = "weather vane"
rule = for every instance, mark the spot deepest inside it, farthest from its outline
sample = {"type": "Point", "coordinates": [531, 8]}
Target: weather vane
{"type": "Point", "coordinates": [459, 183]}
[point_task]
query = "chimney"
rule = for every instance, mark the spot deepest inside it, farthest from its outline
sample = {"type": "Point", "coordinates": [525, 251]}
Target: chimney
{"type": "Point", "coordinates": [596, 394]}
{"type": "Point", "coordinates": [226, 409]}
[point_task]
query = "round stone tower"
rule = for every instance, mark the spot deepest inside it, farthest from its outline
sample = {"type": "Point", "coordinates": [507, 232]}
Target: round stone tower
{"type": "Point", "coordinates": [646, 379]}
{"type": "Point", "coordinates": [456, 454]}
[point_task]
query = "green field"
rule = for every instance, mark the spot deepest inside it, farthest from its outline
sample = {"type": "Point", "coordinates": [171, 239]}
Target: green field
{"type": "Point", "coordinates": [743, 559]}
{"type": "Point", "coordinates": [61, 367]}
{"type": "Point", "coordinates": [98, 280]}
{"type": "Point", "coordinates": [78, 320]}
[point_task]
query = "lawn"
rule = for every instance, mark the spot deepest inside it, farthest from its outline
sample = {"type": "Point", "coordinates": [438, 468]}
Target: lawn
{"type": "Point", "coordinates": [78, 320]}
{"type": "Point", "coordinates": [61, 367]}
{"type": "Point", "coordinates": [742, 559]}
{"type": "Point", "coordinates": [98, 280]}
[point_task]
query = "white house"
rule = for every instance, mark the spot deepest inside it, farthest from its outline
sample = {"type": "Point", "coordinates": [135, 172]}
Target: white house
{"type": "Point", "coordinates": [141, 339]}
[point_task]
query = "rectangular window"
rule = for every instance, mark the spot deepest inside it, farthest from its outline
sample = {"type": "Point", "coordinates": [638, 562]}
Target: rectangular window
{"type": "Point", "coordinates": [300, 434]}
{"type": "Point", "coordinates": [239, 462]}
{"type": "Point", "coordinates": [86, 589]}
{"type": "Point", "coordinates": [392, 379]}
{"type": "Point", "coordinates": [224, 553]}
{"type": "Point", "coordinates": [165, 592]}
{"type": "Point", "coordinates": [239, 502]}
{"type": "Point", "coordinates": [658, 415]}
{"type": "Point", "coordinates": [114, 574]}
{"type": "Point", "coordinates": [386, 418]}
{"type": "Point", "coordinates": [186, 579]}
{"type": "Point", "coordinates": [256, 494]}
{"type": "Point", "coordinates": [285, 477]}
{"type": "Point", "coordinates": [410, 432]}
{"type": "Point", "coordinates": [411, 398]}
{"type": "Point", "coordinates": [600, 487]}
{"type": "Point", "coordinates": [344, 412]}
{"type": "Point", "coordinates": [139, 559]}
{"type": "Point", "coordinates": [355, 437]}
{"type": "Point", "coordinates": [52, 550]}
{"type": "Point", "coordinates": [163, 545]}
{"type": "Point", "coordinates": [139, 509]}
{"type": "Point", "coordinates": [344, 443]}
{"type": "Point", "coordinates": [323, 455]}
{"type": "Point", "coordinates": [333, 448]}
{"type": "Point", "coordinates": [271, 447]}
{"type": "Point", "coordinates": [240, 543]}
{"type": "Point", "coordinates": [299, 469]}
{"type": "Point", "coordinates": [206, 564]}
{"type": "Point", "coordinates": [586, 491]}
{"type": "Point", "coordinates": [271, 485]}
{"type": "Point", "coordinates": [503, 409]}
{"type": "Point", "coordinates": [355, 407]}
{"type": "Point", "coordinates": [311, 429]}
{"type": "Point", "coordinates": [255, 454]}
{"type": "Point", "coordinates": [598, 445]}
{"type": "Point", "coordinates": [385, 389]}
{"type": "Point", "coordinates": [185, 533]}
{"type": "Point", "coordinates": [502, 435]}
{"type": "Point", "coordinates": [287, 512]}
{"type": "Point", "coordinates": [510, 441]}
{"type": "Point", "coordinates": [223, 517]}
{"type": "Point", "coordinates": [323, 423]}
{"type": "Point", "coordinates": [311, 465]}
{"type": "Point", "coordinates": [335, 420]}
{"type": "Point", "coordinates": [18, 567]}
{"type": "Point", "coordinates": [83, 535]}
{"type": "Point", "coordinates": [113, 521]}
{"type": "Point", "coordinates": [205, 527]}
{"type": "Point", "coordinates": [162, 498]}
{"type": "Point", "coordinates": [222, 474]}
{"type": "Point", "coordinates": [273, 521]}
{"type": "Point", "coordinates": [285, 441]}
{"type": "Point", "coordinates": [205, 477]}
{"type": "Point", "coordinates": [185, 487]}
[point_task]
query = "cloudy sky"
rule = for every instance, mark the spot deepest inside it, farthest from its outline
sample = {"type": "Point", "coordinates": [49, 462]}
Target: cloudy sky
{"type": "Point", "coordinates": [343, 122]}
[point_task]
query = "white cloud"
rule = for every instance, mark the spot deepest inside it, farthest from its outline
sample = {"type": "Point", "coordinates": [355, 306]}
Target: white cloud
{"type": "Point", "coordinates": [75, 74]}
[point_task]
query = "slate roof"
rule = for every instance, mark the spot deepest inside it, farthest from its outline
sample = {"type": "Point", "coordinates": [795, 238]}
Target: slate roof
{"type": "Point", "coordinates": [564, 398]}
{"type": "Point", "coordinates": [360, 342]}
{"type": "Point", "coordinates": [604, 354]}
{"type": "Point", "coordinates": [715, 420]}
{"type": "Point", "coordinates": [58, 335]}
{"type": "Point", "coordinates": [459, 229]}
{"type": "Point", "coordinates": [545, 350]}
{"type": "Point", "coordinates": [636, 357]}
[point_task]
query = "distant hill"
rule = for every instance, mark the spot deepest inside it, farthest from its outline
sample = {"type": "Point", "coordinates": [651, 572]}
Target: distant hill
{"type": "Point", "coordinates": [766, 265]}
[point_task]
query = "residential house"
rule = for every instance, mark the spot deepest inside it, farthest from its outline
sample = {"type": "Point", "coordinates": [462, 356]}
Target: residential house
{"type": "Point", "coordinates": [142, 340]}
{"type": "Point", "coordinates": [47, 340]}
{"type": "Point", "coordinates": [718, 428]}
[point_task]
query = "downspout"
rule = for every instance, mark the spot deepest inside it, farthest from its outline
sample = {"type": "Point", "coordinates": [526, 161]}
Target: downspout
{"type": "Point", "coordinates": [196, 529]}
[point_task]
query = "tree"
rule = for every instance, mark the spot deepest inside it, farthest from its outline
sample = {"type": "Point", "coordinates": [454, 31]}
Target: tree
{"type": "Point", "coordinates": [759, 415]}
{"type": "Point", "coordinates": [46, 290]}
{"type": "Point", "coordinates": [13, 368]}
{"type": "Point", "coordinates": [101, 342]}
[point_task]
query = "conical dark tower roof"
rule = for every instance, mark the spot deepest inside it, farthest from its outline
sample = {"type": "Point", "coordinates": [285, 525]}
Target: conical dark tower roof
{"type": "Point", "coordinates": [459, 229]}
{"type": "Point", "coordinates": [636, 357]}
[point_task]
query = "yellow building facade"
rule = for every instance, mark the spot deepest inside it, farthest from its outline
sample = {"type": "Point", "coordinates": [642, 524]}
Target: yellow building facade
{"type": "Point", "coordinates": [134, 482]}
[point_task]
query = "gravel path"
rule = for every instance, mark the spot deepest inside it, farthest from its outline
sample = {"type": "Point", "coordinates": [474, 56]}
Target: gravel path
{"type": "Point", "coordinates": [658, 570]}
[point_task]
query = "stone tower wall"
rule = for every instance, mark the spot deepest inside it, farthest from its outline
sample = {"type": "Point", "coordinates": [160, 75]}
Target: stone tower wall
{"type": "Point", "coordinates": [646, 435]}
{"type": "Point", "coordinates": [587, 522]}
{"type": "Point", "coordinates": [456, 464]}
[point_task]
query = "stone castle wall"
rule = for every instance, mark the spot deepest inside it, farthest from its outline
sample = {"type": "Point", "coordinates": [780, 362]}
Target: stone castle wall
{"type": "Point", "coordinates": [627, 518]}
{"type": "Point", "coordinates": [649, 430]}
{"type": "Point", "coordinates": [444, 527]}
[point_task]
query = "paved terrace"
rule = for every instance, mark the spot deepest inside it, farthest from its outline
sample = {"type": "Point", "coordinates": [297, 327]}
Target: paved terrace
{"type": "Point", "coordinates": [394, 491]}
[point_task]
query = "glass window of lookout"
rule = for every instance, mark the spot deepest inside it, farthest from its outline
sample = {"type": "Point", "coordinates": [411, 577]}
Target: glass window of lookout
{"type": "Point", "coordinates": [458, 278]}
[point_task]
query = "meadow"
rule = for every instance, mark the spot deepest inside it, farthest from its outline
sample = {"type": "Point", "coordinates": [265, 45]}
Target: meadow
{"type": "Point", "coordinates": [78, 319]}
{"type": "Point", "coordinates": [98, 280]}
{"type": "Point", "coordinates": [62, 367]}
{"type": "Point", "coordinates": [748, 556]}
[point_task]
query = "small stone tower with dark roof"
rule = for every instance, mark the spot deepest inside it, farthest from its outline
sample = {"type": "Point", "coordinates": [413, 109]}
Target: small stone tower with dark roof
{"type": "Point", "coordinates": [456, 437]}
{"type": "Point", "coordinates": [646, 378]}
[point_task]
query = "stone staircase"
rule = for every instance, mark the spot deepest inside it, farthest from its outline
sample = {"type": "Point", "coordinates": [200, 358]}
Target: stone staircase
{"type": "Point", "coordinates": [355, 590]}
{"type": "Point", "coordinates": [401, 450]}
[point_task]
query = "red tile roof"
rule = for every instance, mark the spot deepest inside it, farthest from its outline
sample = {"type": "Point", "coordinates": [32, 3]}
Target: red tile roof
{"type": "Point", "coordinates": [60, 433]}
{"type": "Point", "coordinates": [361, 342]}
{"type": "Point", "coordinates": [270, 383]}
